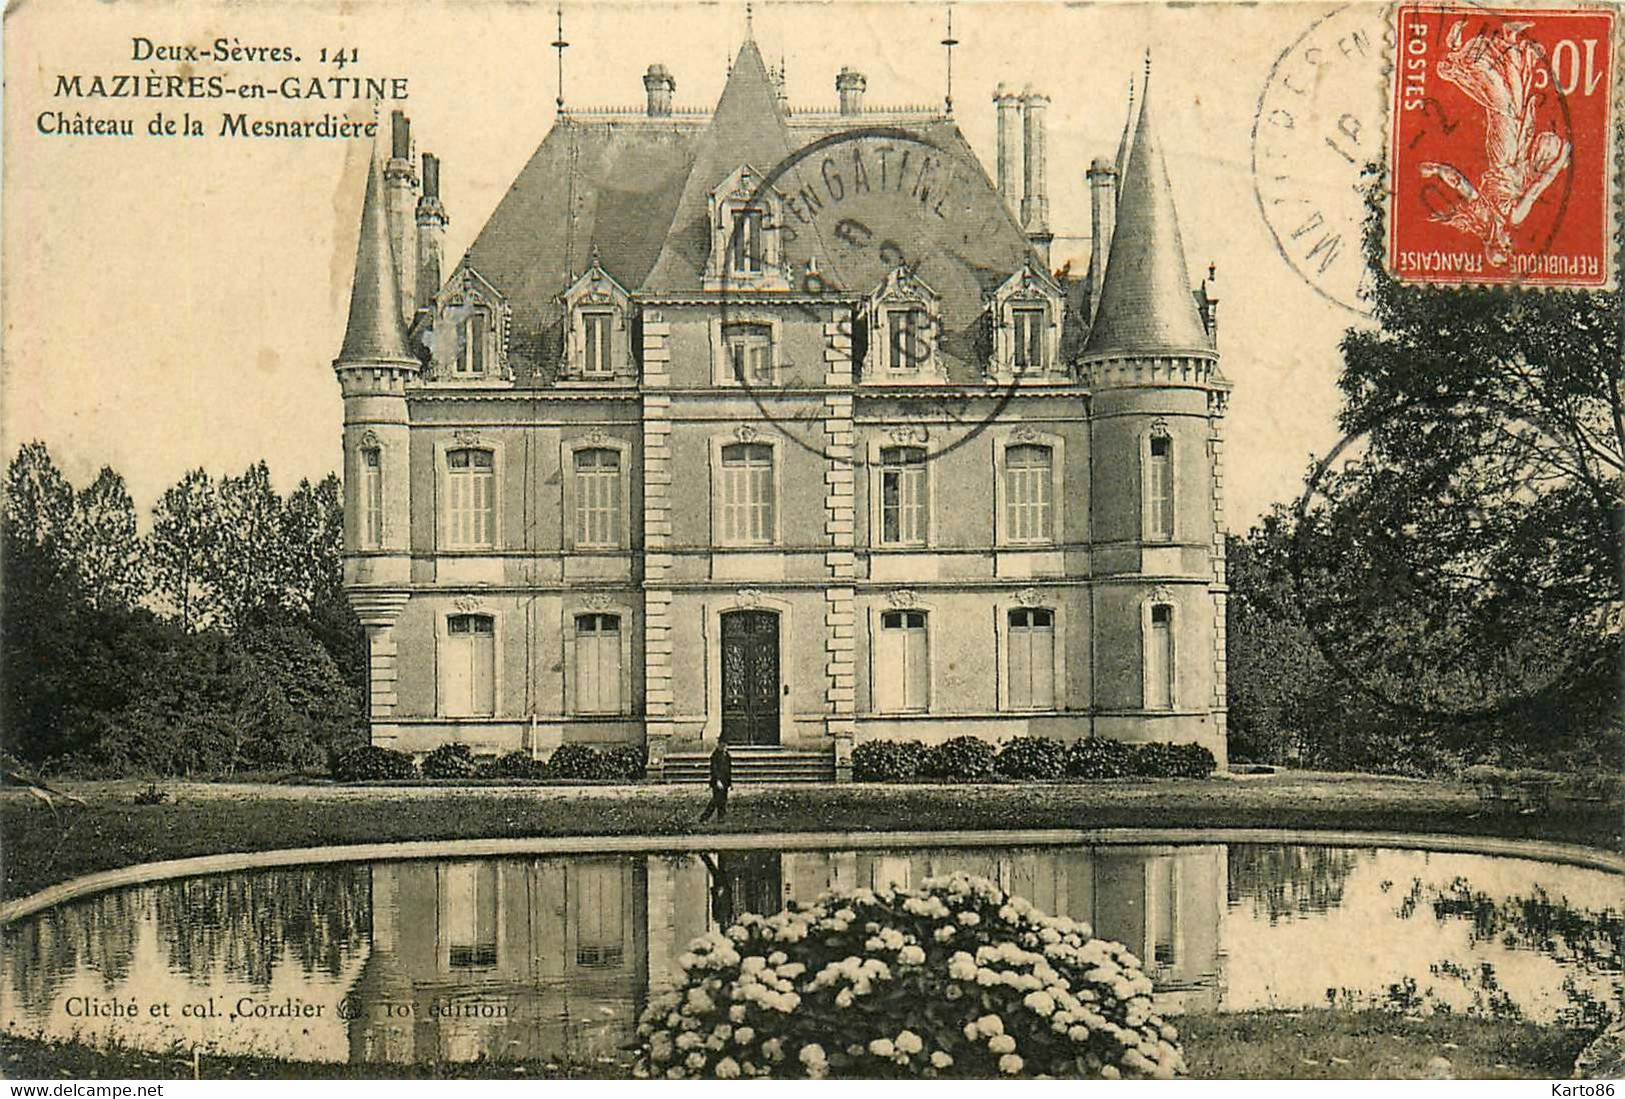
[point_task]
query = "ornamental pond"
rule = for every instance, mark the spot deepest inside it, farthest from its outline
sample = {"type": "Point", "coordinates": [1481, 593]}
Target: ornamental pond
{"type": "Point", "coordinates": [549, 958]}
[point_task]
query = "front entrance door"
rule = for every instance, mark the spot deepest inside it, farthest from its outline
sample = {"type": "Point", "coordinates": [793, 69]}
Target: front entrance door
{"type": "Point", "coordinates": [750, 677]}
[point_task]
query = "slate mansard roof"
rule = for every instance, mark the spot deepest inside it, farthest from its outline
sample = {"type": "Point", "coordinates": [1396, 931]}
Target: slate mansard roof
{"type": "Point", "coordinates": [635, 192]}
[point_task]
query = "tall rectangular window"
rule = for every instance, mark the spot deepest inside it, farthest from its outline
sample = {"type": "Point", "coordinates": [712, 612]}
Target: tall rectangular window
{"type": "Point", "coordinates": [906, 339]}
{"type": "Point", "coordinates": [745, 242]}
{"type": "Point", "coordinates": [1029, 333]}
{"type": "Point", "coordinates": [468, 666]}
{"type": "Point", "coordinates": [372, 498]}
{"type": "Point", "coordinates": [902, 663]}
{"type": "Point", "coordinates": [1160, 489]}
{"type": "Point", "coordinates": [1028, 488]}
{"type": "Point", "coordinates": [596, 329]}
{"type": "Point", "coordinates": [470, 498]}
{"type": "Point", "coordinates": [470, 927]}
{"type": "Point", "coordinates": [476, 338]}
{"type": "Point", "coordinates": [750, 353]}
{"type": "Point", "coordinates": [1031, 667]}
{"type": "Point", "coordinates": [597, 499]}
{"type": "Point", "coordinates": [600, 915]}
{"type": "Point", "coordinates": [904, 505]}
{"type": "Point", "coordinates": [1159, 659]}
{"type": "Point", "coordinates": [746, 507]}
{"type": "Point", "coordinates": [598, 664]}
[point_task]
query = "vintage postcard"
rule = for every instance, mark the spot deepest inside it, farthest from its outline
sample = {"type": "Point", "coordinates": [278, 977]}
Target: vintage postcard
{"type": "Point", "coordinates": [782, 540]}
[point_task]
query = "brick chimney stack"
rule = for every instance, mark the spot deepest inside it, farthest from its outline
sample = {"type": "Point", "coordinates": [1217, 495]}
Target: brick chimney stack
{"type": "Point", "coordinates": [1035, 186]}
{"type": "Point", "coordinates": [1009, 146]}
{"type": "Point", "coordinates": [400, 202]}
{"type": "Point", "coordinates": [432, 221]}
{"type": "Point", "coordinates": [660, 85]}
{"type": "Point", "coordinates": [850, 85]}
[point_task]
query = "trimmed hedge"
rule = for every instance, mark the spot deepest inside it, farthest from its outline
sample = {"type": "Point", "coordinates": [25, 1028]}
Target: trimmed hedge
{"type": "Point", "coordinates": [450, 761]}
{"type": "Point", "coordinates": [622, 763]}
{"type": "Point", "coordinates": [888, 760]}
{"type": "Point", "coordinates": [514, 765]}
{"type": "Point", "coordinates": [960, 759]}
{"type": "Point", "coordinates": [1030, 759]}
{"type": "Point", "coordinates": [370, 763]}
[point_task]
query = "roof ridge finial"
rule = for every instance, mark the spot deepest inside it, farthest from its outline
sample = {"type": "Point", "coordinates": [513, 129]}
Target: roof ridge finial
{"type": "Point", "coordinates": [750, 22]}
{"type": "Point", "coordinates": [948, 44]}
{"type": "Point", "coordinates": [560, 45]}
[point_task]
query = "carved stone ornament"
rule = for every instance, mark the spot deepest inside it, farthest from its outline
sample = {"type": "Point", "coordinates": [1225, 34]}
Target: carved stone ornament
{"type": "Point", "coordinates": [748, 597]}
{"type": "Point", "coordinates": [599, 601]}
{"type": "Point", "coordinates": [1160, 594]}
{"type": "Point", "coordinates": [369, 439]}
{"type": "Point", "coordinates": [1159, 428]}
{"type": "Point", "coordinates": [901, 597]}
{"type": "Point", "coordinates": [910, 433]}
{"type": "Point", "coordinates": [594, 437]}
{"type": "Point", "coordinates": [1024, 433]}
{"type": "Point", "coordinates": [466, 436]}
{"type": "Point", "coordinates": [467, 604]}
{"type": "Point", "coordinates": [1029, 597]}
{"type": "Point", "coordinates": [745, 433]}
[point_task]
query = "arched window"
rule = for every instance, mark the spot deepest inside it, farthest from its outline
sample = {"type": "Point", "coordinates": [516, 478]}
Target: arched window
{"type": "Point", "coordinates": [597, 342]}
{"type": "Point", "coordinates": [1159, 658]}
{"type": "Point", "coordinates": [1159, 488]}
{"type": "Point", "coordinates": [902, 666]}
{"type": "Point", "coordinates": [1028, 493]}
{"type": "Point", "coordinates": [597, 664]}
{"type": "Point", "coordinates": [1031, 658]}
{"type": "Point", "coordinates": [468, 666]}
{"type": "Point", "coordinates": [475, 357]}
{"type": "Point", "coordinates": [598, 491]}
{"type": "Point", "coordinates": [904, 500]}
{"type": "Point", "coordinates": [371, 498]}
{"type": "Point", "coordinates": [470, 498]}
{"type": "Point", "coordinates": [1029, 339]}
{"type": "Point", "coordinates": [746, 495]}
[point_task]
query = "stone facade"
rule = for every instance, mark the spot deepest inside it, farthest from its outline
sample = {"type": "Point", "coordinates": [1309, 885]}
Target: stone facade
{"type": "Point", "coordinates": [571, 516]}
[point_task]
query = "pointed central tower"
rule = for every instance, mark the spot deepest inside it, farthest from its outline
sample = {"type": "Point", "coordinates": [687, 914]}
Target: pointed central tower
{"type": "Point", "coordinates": [1156, 509]}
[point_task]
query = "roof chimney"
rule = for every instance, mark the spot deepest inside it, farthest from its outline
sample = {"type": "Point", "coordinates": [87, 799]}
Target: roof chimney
{"type": "Point", "coordinates": [401, 195]}
{"type": "Point", "coordinates": [1035, 187]}
{"type": "Point", "coordinates": [1102, 178]}
{"type": "Point", "coordinates": [1009, 148]}
{"type": "Point", "coordinates": [659, 83]}
{"type": "Point", "coordinates": [849, 85]}
{"type": "Point", "coordinates": [431, 233]}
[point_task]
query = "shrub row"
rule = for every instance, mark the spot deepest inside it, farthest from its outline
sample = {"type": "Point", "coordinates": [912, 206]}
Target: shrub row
{"type": "Point", "coordinates": [570, 762]}
{"type": "Point", "coordinates": [971, 759]}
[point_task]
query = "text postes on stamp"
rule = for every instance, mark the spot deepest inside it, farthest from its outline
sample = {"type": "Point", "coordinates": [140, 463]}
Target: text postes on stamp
{"type": "Point", "coordinates": [1501, 146]}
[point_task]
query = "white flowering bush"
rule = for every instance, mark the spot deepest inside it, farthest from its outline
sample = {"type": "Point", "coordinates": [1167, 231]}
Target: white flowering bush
{"type": "Point", "coordinates": [957, 979]}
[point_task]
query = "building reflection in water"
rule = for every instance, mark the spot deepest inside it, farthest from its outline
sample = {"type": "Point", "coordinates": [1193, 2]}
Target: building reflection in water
{"type": "Point", "coordinates": [543, 959]}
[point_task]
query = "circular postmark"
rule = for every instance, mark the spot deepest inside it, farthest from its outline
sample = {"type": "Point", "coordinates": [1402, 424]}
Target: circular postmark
{"type": "Point", "coordinates": [873, 216]}
{"type": "Point", "coordinates": [1441, 625]}
{"type": "Point", "coordinates": [1320, 121]}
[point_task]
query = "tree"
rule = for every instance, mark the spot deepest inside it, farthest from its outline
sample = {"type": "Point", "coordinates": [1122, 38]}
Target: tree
{"type": "Point", "coordinates": [1458, 565]}
{"type": "Point", "coordinates": [246, 567]}
{"type": "Point", "coordinates": [185, 530]}
{"type": "Point", "coordinates": [105, 544]}
{"type": "Point", "coordinates": [38, 501]}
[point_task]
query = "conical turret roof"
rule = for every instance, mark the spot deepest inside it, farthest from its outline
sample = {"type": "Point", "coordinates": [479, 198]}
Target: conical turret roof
{"type": "Point", "coordinates": [375, 332]}
{"type": "Point", "coordinates": [1146, 305]}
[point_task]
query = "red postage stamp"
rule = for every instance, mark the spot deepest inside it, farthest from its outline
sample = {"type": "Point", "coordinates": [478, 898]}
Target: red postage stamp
{"type": "Point", "coordinates": [1502, 145]}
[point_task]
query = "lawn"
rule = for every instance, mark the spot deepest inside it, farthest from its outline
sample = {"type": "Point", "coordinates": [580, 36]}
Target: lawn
{"type": "Point", "coordinates": [47, 844]}
{"type": "Point", "coordinates": [1311, 1045]}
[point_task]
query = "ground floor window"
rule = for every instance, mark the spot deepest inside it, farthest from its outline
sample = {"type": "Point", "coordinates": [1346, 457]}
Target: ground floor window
{"type": "Point", "coordinates": [902, 668]}
{"type": "Point", "coordinates": [468, 666]}
{"type": "Point", "coordinates": [598, 664]}
{"type": "Point", "coordinates": [1030, 669]}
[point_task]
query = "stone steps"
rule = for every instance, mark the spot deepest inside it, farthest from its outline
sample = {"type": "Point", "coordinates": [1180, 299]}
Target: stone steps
{"type": "Point", "coordinates": [759, 764]}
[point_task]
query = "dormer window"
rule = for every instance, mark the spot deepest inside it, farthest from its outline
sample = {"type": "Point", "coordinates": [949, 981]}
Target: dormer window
{"type": "Point", "coordinates": [597, 347]}
{"type": "Point", "coordinates": [1029, 340]}
{"type": "Point", "coordinates": [1025, 314]}
{"type": "Point", "coordinates": [596, 326]}
{"type": "Point", "coordinates": [467, 341]}
{"type": "Point", "coordinates": [476, 344]}
{"type": "Point", "coordinates": [746, 239]}
{"type": "Point", "coordinates": [902, 329]}
{"type": "Point", "coordinates": [745, 245]}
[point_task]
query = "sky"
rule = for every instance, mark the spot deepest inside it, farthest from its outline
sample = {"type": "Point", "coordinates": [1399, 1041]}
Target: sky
{"type": "Point", "coordinates": [177, 302]}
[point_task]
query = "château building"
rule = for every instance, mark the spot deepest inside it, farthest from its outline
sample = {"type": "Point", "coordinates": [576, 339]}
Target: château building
{"type": "Point", "coordinates": [777, 426]}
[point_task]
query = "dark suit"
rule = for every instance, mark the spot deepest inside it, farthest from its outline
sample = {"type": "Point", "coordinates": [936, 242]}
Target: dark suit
{"type": "Point", "coordinates": [722, 780]}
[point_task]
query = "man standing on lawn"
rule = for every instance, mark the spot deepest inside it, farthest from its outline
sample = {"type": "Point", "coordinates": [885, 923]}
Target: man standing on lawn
{"type": "Point", "coordinates": [722, 780]}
